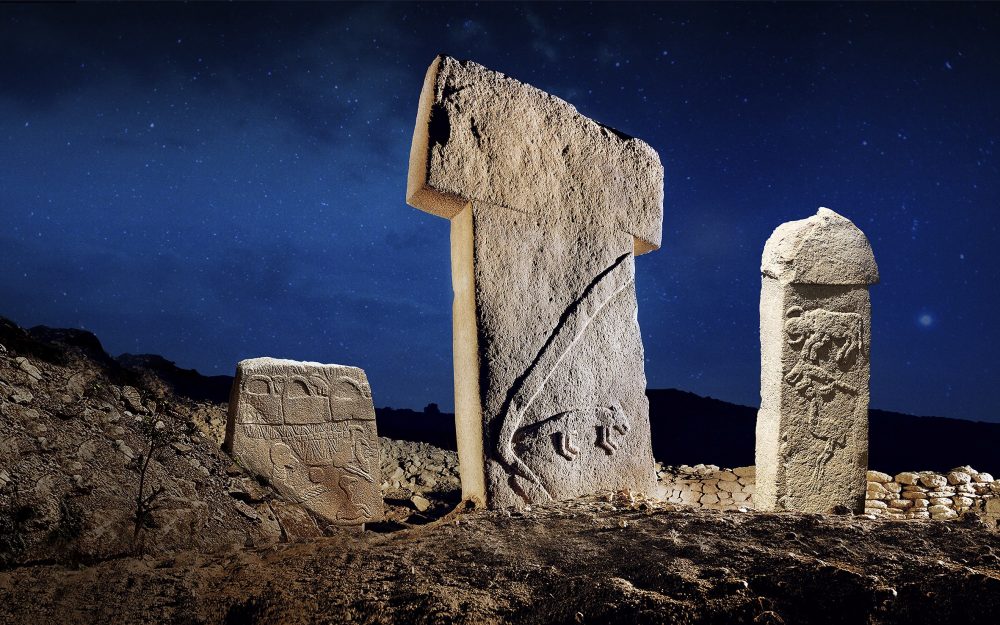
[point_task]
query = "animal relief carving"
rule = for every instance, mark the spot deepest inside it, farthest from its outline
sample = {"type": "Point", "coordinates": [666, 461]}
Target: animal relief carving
{"type": "Point", "coordinates": [597, 426]}
{"type": "Point", "coordinates": [310, 430]}
{"type": "Point", "coordinates": [514, 422]}
{"type": "Point", "coordinates": [830, 345]}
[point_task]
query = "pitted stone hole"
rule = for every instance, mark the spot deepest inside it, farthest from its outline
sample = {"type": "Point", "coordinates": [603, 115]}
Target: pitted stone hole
{"type": "Point", "coordinates": [439, 127]}
{"type": "Point", "coordinates": [475, 131]}
{"type": "Point", "coordinates": [450, 90]}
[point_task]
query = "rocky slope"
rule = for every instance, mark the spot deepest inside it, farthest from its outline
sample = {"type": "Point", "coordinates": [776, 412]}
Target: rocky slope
{"type": "Point", "coordinates": [75, 426]}
{"type": "Point", "coordinates": [219, 546]}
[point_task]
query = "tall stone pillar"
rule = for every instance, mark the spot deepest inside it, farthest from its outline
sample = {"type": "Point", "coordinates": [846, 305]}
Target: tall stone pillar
{"type": "Point", "coordinates": [548, 210]}
{"type": "Point", "coordinates": [815, 337]}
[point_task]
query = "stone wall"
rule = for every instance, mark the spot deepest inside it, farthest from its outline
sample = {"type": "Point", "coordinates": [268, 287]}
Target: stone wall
{"type": "Point", "coordinates": [909, 495]}
{"type": "Point", "coordinates": [707, 486]}
{"type": "Point", "coordinates": [929, 495]}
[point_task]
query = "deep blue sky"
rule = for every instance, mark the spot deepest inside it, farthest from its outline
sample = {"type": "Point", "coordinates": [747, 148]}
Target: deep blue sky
{"type": "Point", "coordinates": [215, 182]}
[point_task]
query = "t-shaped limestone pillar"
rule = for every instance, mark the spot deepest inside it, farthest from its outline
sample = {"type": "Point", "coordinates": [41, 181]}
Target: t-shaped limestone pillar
{"type": "Point", "coordinates": [547, 209]}
{"type": "Point", "coordinates": [815, 334]}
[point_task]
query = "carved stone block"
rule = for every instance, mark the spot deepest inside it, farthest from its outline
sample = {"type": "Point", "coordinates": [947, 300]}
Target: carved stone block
{"type": "Point", "coordinates": [815, 333]}
{"type": "Point", "coordinates": [309, 430]}
{"type": "Point", "coordinates": [548, 210]}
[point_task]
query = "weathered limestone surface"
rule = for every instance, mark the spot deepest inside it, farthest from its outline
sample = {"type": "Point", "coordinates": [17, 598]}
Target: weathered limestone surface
{"type": "Point", "coordinates": [815, 333]}
{"type": "Point", "coordinates": [483, 136]}
{"type": "Point", "coordinates": [548, 210]}
{"type": "Point", "coordinates": [309, 429]}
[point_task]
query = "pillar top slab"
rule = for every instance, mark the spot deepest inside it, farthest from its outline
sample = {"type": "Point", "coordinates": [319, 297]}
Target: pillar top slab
{"type": "Point", "coordinates": [826, 248]}
{"type": "Point", "coordinates": [483, 136]}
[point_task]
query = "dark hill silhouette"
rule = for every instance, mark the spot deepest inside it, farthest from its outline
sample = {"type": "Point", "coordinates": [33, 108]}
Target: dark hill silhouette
{"type": "Point", "coordinates": [686, 428]}
{"type": "Point", "coordinates": [902, 442]}
{"type": "Point", "coordinates": [83, 341]}
{"type": "Point", "coordinates": [186, 382]}
{"type": "Point", "coordinates": [436, 428]}
{"type": "Point", "coordinates": [20, 341]}
{"type": "Point", "coordinates": [690, 429]}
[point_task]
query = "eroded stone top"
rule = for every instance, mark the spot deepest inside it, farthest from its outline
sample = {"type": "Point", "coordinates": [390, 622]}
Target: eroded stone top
{"type": "Point", "coordinates": [481, 135]}
{"type": "Point", "coordinates": [267, 361]}
{"type": "Point", "coordinates": [826, 248]}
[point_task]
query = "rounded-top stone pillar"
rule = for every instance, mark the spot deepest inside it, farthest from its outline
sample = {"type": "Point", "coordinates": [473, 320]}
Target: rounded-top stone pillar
{"type": "Point", "coordinates": [815, 336]}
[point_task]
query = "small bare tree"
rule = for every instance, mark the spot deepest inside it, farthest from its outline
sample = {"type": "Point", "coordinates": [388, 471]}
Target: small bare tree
{"type": "Point", "coordinates": [156, 435]}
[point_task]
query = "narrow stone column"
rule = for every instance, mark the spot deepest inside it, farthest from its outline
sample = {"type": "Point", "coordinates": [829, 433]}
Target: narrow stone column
{"type": "Point", "coordinates": [548, 210]}
{"type": "Point", "coordinates": [815, 336]}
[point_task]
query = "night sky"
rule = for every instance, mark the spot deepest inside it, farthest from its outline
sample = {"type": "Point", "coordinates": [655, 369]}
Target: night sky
{"type": "Point", "coordinates": [217, 182]}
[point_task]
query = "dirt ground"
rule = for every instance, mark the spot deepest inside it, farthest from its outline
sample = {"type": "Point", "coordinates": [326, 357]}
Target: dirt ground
{"type": "Point", "coordinates": [220, 546]}
{"type": "Point", "coordinates": [585, 561]}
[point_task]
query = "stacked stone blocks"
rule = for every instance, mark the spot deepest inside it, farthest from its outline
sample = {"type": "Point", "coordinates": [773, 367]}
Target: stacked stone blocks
{"type": "Point", "coordinates": [708, 486]}
{"type": "Point", "coordinates": [929, 495]}
{"type": "Point", "coordinates": [908, 495]}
